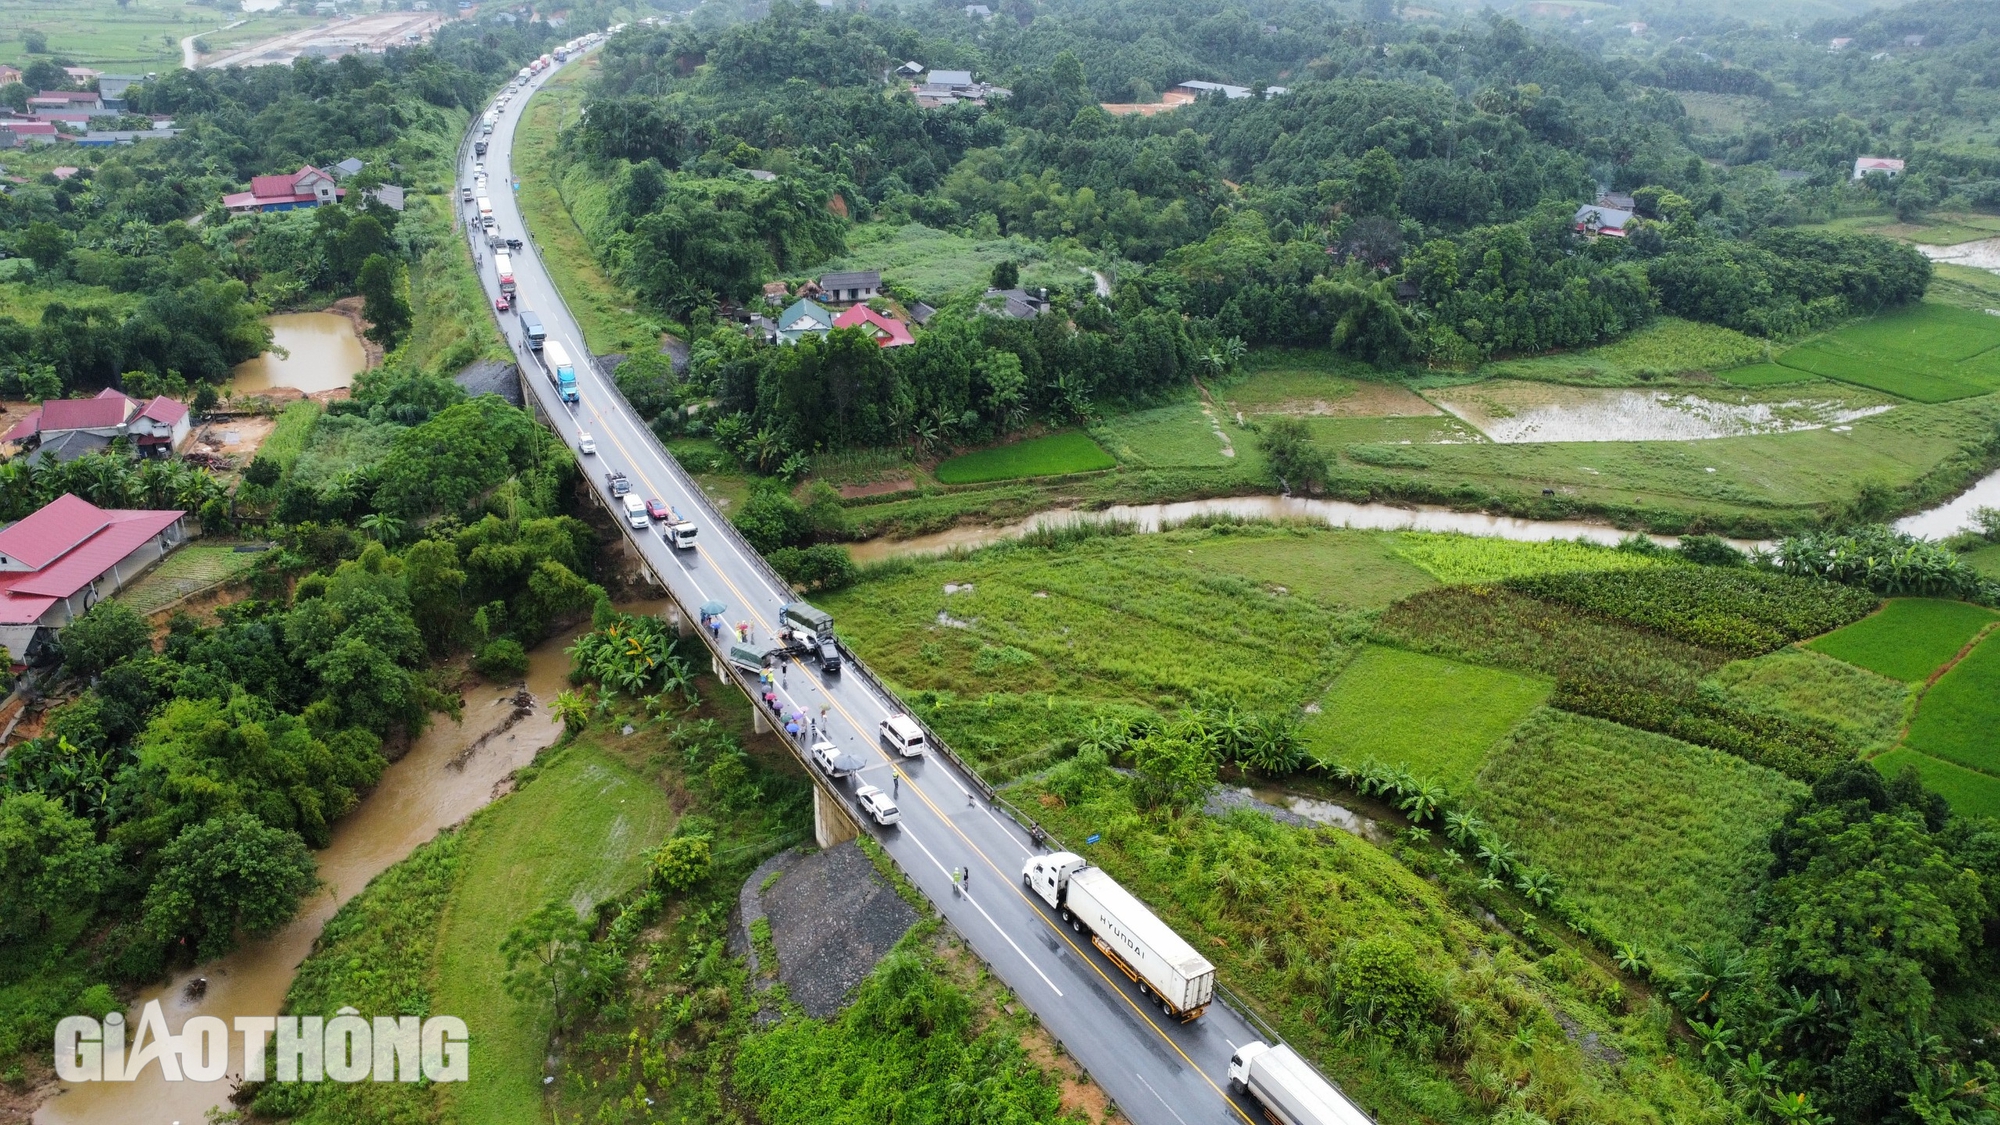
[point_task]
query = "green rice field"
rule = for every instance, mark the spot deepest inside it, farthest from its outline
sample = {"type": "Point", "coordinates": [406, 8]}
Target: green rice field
{"type": "Point", "coordinates": [1661, 841]}
{"type": "Point", "coordinates": [1928, 352]}
{"type": "Point", "coordinates": [1957, 718]}
{"type": "Point", "coordinates": [1435, 717]}
{"type": "Point", "coordinates": [1765, 375]}
{"type": "Point", "coordinates": [1908, 638]}
{"type": "Point", "coordinates": [1054, 455]}
{"type": "Point", "coordinates": [1970, 792]}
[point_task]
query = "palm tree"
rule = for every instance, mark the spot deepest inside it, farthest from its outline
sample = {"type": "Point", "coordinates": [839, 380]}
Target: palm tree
{"type": "Point", "coordinates": [382, 526]}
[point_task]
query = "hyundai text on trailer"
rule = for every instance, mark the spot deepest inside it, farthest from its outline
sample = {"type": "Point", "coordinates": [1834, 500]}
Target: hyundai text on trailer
{"type": "Point", "coordinates": [1147, 950]}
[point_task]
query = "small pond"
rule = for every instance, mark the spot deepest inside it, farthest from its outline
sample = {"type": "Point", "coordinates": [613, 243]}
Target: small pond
{"type": "Point", "coordinates": [1510, 412]}
{"type": "Point", "coordinates": [324, 353]}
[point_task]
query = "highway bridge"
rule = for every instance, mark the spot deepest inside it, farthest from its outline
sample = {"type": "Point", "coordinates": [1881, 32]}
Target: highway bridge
{"type": "Point", "coordinates": [1158, 1070]}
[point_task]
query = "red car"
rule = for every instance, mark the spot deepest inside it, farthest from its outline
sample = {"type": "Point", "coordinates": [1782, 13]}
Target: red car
{"type": "Point", "coordinates": [500, 303]}
{"type": "Point", "coordinates": [656, 509]}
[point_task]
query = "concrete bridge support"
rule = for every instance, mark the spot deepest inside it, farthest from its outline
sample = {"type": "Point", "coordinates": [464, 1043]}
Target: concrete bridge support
{"type": "Point", "coordinates": [831, 824]}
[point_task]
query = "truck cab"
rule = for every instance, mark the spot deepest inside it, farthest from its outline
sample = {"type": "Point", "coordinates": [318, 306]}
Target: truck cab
{"type": "Point", "coordinates": [531, 328]}
{"type": "Point", "coordinates": [1047, 875]}
{"type": "Point", "coordinates": [619, 486]}
{"type": "Point", "coordinates": [678, 530]}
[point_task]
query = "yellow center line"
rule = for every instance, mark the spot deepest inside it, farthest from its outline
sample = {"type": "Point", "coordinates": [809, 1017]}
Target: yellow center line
{"type": "Point", "coordinates": [1006, 878]}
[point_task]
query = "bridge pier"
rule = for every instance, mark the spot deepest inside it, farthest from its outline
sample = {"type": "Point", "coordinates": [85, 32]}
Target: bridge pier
{"type": "Point", "coordinates": [831, 824]}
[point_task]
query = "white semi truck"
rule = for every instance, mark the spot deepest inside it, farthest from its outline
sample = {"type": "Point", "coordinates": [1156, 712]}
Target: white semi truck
{"type": "Point", "coordinates": [1158, 960]}
{"type": "Point", "coordinates": [1288, 1089]}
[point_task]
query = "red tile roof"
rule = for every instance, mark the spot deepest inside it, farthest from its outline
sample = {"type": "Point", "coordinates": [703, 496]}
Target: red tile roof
{"type": "Point", "coordinates": [26, 428]}
{"type": "Point", "coordinates": [106, 410]}
{"type": "Point", "coordinates": [68, 543]}
{"type": "Point", "coordinates": [165, 410]}
{"type": "Point", "coordinates": [889, 332]}
{"type": "Point", "coordinates": [53, 531]}
{"type": "Point", "coordinates": [30, 128]}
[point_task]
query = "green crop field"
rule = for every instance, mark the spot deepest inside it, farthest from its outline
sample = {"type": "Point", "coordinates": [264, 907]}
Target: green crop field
{"type": "Point", "coordinates": [1985, 560]}
{"type": "Point", "coordinates": [1055, 455]}
{"type": "Point", "coordinates": [1909, 638]}
{"type": "Point", "coordinates": [123, 38]}
{"type": "Point", "coordinates": [1928, 352]}
{"type": "Point", "coordinates": [1970, 792]}
{"type": "Point", "coordinates": [1476, 558]}
{"type": "Point", "coordinates": [191, 569]}
{"type": "Point", "coordinates": [1435, 717]}
{"type": "Point", "coordinates": [1766, 375]}
{"type": "Point", "coordinates": [1957, 717]}
{"type": "Point", "coordinates": [1667, 347]}
{"type": "Point", "coordinates": [1866, 709]}
{"type": "Point", "coordinates": [1661, 841]}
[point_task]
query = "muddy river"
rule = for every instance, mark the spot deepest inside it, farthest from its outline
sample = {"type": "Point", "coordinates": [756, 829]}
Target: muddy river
{"type": "Point", "coordinates": [319, 352]}
{"type": "Point", "coordinates": [437, 784]}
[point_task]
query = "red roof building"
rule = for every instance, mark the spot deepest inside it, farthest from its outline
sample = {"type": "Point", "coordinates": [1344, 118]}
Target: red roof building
{"type": "Point", "coordinates": [68, 428]}
{"type": "Point", "coordinates": [67, 557]}
{"type": "Point", "coordinates": [307, 187]}
{"type": "Point", "coordinates": [888, 331]}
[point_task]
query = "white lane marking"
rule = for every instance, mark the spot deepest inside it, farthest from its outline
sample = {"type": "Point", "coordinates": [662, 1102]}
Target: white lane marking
{"type": "Point", "coordinates": [1163, 1101]}
{"type": "Point", "coordinates": [989, 919]}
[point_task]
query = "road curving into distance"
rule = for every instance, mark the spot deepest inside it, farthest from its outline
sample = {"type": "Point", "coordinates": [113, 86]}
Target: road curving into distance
{"type": "Point", "coordinates": [1159, 1071]}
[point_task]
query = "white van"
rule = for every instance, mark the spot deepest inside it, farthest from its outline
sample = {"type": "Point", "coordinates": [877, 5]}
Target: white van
{"type": "Point", "coordinates": [903, 735]}
{"type": "Point", "coordinates": [635, 511]}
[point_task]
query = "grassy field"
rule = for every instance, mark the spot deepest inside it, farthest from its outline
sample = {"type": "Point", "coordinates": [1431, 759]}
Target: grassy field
{"type": "Point", "coordinates": [1985, 560]}
{"type": "Point", "coordinates": [604, 311]}
{"type": "Point", "coordinates": [1054, 455]}
{"type": "Point", "coordinates": [1909, 638]}
{"type": "Point", "coordinates": [939, 265]}
{"type": "Point", "coordinates": [1940, 228]}
{"type": "Point", "coordinates": [129, 38]}
{"type": "Point", "coordinates": [1664, 349]}
{"type": "Point", "coordinates": [1965, 287]}
{"type": "Point", "coordinates": [1357, 569]}
{"type": "Point", "coordinates": [1661, 841]}
{"type": "Point", "coordinates": [193, 568]}
{"type": "Point", "coordinates": [578, 837]}
{"type": "Point", "coordinates": [1475, 558]}
{"type": "Point", "coordinates": [1180, 436]}
{"type": "Point", "coordinates": [1928, 352]}
{"type": "Point", "coordinates": [1970, 792]}
{"type": "Point", "coordinates": [1866, 709]}
{"type": "Point", "coordinates": [1435, 717]}
{"type": "Point", "coordinates": [1956, 719]}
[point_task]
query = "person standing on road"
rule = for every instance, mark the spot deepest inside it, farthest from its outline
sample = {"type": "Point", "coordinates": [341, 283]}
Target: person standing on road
{"type": "Point", "coordinates": [895, 782]}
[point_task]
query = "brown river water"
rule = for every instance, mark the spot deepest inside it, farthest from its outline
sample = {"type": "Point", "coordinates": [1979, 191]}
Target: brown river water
{"type": "Point", "coordinates": [430, 788]}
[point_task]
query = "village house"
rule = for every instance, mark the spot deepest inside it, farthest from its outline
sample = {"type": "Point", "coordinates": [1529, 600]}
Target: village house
{"type": "Point", "coordinates": [888, 331]}
{"type": "Point", "coordinates": [1596, 218]}
{"type": "Point", "coordinates": [307, 187]}
{"type": "Point", "coordinates": [1888, 167]}
{"type": "Point", "coordinates": [804, 318]}
{"type": "Point", "coordinates": [1016, 304]}
{"type": "Point", "coordinates": [1193, 90]}
{"type": "Point", "coordinates": [844, 288]}
{"type": "Point", "coordinates": [67, 557]}
{"type": "Point", "coordinates": [64, 429]}
{"type": "Point", "coordinates": [71, 101]}
{"type": "Point", "coordinates": [111, 89]}
{"type": "Point", "coordinates": [949, 87]}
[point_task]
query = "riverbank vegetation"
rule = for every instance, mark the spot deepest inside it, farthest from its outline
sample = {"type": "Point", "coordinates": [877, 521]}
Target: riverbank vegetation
{"type": "Point", "coordinates": [1598, 752]}
{"type": "Point", "coordinates": [642, 842]}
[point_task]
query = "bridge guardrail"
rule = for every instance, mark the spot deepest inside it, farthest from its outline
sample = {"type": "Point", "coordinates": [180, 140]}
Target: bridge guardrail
{"type": "Point", "coordinates": [724, 527]}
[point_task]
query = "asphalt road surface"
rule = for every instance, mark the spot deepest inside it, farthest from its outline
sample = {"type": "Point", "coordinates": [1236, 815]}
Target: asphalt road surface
{"type": "Point", "coordinates": [1158, 1070]}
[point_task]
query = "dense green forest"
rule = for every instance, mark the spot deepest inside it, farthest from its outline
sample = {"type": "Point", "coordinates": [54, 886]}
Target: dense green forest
{"type": "Point", "coordinates": [1408, 201]}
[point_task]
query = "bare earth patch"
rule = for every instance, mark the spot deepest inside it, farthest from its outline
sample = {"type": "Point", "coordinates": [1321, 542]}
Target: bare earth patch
{"type": "Point", "coordinates": [1366, 400]}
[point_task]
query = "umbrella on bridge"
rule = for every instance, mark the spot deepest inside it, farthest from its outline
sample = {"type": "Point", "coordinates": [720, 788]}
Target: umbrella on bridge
{"type": "Point", "coordinates": [848, 763]}
{"type": "Point", "coordinates": [714, 609]}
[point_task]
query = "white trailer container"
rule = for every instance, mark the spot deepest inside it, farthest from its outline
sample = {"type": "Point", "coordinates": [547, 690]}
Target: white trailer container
{"type": "Point", "coordinates": [1145, 949]}
{"type": "Point", "coordinates": [1288, 1089]}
